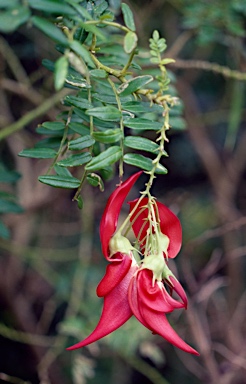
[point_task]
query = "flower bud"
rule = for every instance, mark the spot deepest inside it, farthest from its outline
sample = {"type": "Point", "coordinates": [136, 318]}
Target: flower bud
{"type": "Point", "coordinates": [156, 264]}
{"type": "Point", "coordinates": [119, 243]}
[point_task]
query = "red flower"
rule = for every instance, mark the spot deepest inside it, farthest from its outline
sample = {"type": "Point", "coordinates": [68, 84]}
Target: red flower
{"type": "Point", "coordinates": [114, 285]}
{"type": "Point", "coordinates": [129, 288]}
{"type": "Point", "coordinates": [149, 303]}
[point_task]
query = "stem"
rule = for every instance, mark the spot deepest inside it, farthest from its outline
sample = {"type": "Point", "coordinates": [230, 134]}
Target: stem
{"type": "Point", "coordinates": [75, 198]}
{"type": "Point", "coordinates": [60, 150]}
{"type": "Point", "coordinates": [127, 220]}
{"type": "Point", "coordinates": [123, 71]}
{"type": "Point", "coordinates": [109, 70]}
{"type": "Point", "coordinates": [88, 79]}
{"type": "Point", "coordinates": [93, 43]}
{"type": "Point", "coordinates": [25, 337]}
{"type": "Point", "coordinates": [130, 225]}
{"type": "Point", "coordinates": [109, 23]}
{"type": "Point", "coordinates": [121, 166]}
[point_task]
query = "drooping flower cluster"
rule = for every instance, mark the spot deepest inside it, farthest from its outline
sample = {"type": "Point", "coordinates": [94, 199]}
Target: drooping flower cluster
{"type": "Point", "coordinates": [139, 288]}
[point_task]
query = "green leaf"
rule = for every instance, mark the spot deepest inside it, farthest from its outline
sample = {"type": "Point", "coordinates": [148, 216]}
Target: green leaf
{"type": "Point", "coordinates": [104, 159]}
{"type": "Point", "coordinates": [167, 61]}
{"type": "Point", "coordinates": [141, 107]}
{"type": "Point", "coordinates": [81, 143]}
{"type": "Point", "coordinates": [4, 231]}
{"type": "Point", "coordinates": [110, 99]}
{"type": "Point", "coordinates": [76, 80]}
{"type": "Point", "coordinates": [130, 41]}
{"type": "Point", "coordinates": [82, 52]}
{"type": "Point", "coordinates": [94, 30]}
{"type": "Point", "coordinates": [81, 10]}
{"type": "Point", "coordinates": [50, 30]}
{"type": "Point", "coordinates": [7, 206]}
{"type": "Point", "coordinates": [52, 6]}
{"type": "Point", "coordinates": [80, 202]}
{"type": "Point", "coordinates": [38, 153]}
{"type": "Point", "coordinates": [102, 124]}
{"type": "Point", "coordinates": [53, 125]}
{"type": "Point", "coordinates": [108, 113]}
{"type": "Point", "coordinates": [99, 7]}
{"type": "Point", "coordinates": [60, 181]}
{"type": "Point", "coordinates": [128, 16]}
{"type": "Point", "coordinates": [48, 64]}
{"type": "Point", "coordinates": [133, 85]}
{"type": "Point", "coordinates": [108, 16]}
{"type": "Point", "coordinates": [49, 142]}
{"type": "Point", "coordinates": [156, 35]}
{"type": "Point", "coordinates": [11, 19]}
{"type": "Point", "coordinates": [79, 128]}
{"type": "Point", "coordinates": [95, 180]}
{"type": "Point", "coordinates": [78, 102]}
{"type": "Point", "coordinates": [141, 143]}
{"type": "Point", "coordinates": [109, 136]}
{"type": "Point", "coordinates": [60, 74]}
{"type": "Point", "coordinates": [143, 124]}
{"type": "Point", "coordinates": [75, 160]}
{"type": "Point", "coordinates": [107, 173]}
{"type": "Point", "coordinates": [142, 162]}
{"type": "Point", "coordinates": [62, 171]}
{"type": "Point", "coordinates": [44, 131]}
{"type": "Point", "coordinates": [99, 73]}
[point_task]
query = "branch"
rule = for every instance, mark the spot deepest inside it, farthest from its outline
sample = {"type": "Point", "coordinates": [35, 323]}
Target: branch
{"type": "Point", "coordinates": [26, 337]}
{"type": "Point", "coordinates": [207, 66]}
{"type": "Point", "coordinates": [36, 112]}
{"type": "Point", "coordinates": [26, 91]}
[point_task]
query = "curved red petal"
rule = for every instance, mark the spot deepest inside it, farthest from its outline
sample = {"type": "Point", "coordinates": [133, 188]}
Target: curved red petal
{"type": "Point", "coordinates": [179, 290]}
{"type": "Point", "coordinates": [160, 325]}
{"type": "Point", "coordinates": [133, 301]}
{"type": "Point", "coordinates": [112, 210]}
{"type": "Point", "coordinates": [115, 272]}
{"type": "Point", "coordinates": [169, 225]}
{"type": "Point", "coordinates": [152, 296]}
{"type": "Point", "coordinates": [116, 311]}
{"type": "Point", "coordinates": [174, 303]}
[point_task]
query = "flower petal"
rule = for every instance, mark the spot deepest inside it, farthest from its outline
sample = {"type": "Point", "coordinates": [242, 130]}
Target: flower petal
{"type": "Point", "coordinates": [160, 325]}
{"type": "Point", "coordinates": [116, 311]}
{"type": "Point", "coordinates": [174, 303]}
{"type": "Point", "coordinates": [169, 225]}
{"type": "Point", "coordinates": [115, 272]}
{"type": "Point", "coordinates": [152, 296]}
{"type": "Point", "coordinates": [111, 213]}
{"type": "Point", "coordinates": [179, 290]}
{"type": "Point", "coordinates": [133, 301]}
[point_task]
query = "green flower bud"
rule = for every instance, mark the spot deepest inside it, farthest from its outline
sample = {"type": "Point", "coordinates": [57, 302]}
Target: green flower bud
{"type": "Point", "coordinates": [119, 243]}
{"type": "Point", "coordinates": [156, 263]}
